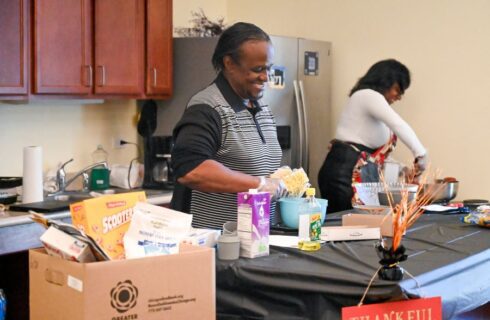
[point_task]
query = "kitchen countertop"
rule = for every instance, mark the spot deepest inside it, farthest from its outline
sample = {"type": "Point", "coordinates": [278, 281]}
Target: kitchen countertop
{"type": "Point", "coordinates": [19, 233]}
{"type": "Point", "coordinates": [11, 218]}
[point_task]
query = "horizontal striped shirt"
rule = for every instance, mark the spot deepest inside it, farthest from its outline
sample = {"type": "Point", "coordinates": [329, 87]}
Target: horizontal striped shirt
{"type": "Point", "coordinates": [226, 131]}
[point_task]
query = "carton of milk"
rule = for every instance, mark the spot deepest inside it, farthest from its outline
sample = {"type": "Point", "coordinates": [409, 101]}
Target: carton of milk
{"type": "Point", "coordinates": [253, 223]}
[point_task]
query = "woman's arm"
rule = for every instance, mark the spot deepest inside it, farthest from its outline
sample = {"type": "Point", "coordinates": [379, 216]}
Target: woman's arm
{"type": "Point", "coordinates": [380, 109]}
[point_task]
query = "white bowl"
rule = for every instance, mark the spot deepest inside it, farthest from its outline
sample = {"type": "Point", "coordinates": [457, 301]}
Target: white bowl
{"type": "Point", "coordinates": [368, 191]}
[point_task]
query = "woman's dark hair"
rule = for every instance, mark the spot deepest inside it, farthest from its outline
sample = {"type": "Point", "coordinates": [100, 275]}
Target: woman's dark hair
{"type": "Point", "coordinates": [232, 38]}
{"type": "Point", "coordinates": [382, 75]}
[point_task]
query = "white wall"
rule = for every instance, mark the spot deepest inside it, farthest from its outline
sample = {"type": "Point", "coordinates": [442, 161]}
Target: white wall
{"type": "Point", "coordinates": [445, 44]}
{"type": "Point", "coordinates": [65, 129]}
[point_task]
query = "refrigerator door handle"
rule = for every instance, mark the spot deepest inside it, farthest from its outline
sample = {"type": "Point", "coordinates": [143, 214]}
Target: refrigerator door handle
{"type": "Point", "coordinates": [306, 159]}
{"type": "Point", "coordinates": [300, 122]}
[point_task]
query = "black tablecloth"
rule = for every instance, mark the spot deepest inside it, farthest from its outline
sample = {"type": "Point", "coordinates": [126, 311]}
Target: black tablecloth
{"type": "Point", "coordinates": [447, 257]}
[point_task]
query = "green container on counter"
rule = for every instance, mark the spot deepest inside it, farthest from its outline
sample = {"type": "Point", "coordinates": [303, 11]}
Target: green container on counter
{"type": "Point", "coordinates": [99, 178]}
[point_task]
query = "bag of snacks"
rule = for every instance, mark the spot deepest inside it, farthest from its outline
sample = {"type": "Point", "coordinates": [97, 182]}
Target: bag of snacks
{"type": "Point", "coordinates": [296, 180]}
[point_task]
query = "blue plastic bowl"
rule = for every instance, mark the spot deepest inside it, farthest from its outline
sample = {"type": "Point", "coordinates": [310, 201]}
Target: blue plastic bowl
{"type": "Point", "coordinates": [289, 209]}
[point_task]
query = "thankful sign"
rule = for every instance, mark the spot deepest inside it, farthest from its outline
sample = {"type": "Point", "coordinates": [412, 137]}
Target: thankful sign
{"type": "Point", "coordinates": [415, 309]}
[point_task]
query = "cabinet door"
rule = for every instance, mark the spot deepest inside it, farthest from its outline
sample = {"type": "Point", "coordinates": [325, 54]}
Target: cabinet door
{"type": "Point", "coordinates": [119, 47]}
{"type": "Point", "coordinates": [13, 46]}
{"type": "Point", "coordinates": [159, 47]}
{"type": "Point", "coordinates": [63, 46]}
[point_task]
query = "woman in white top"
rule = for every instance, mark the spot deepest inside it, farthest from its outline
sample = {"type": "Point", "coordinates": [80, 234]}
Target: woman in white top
{"type": "Point", "coordinates": [367, 131]}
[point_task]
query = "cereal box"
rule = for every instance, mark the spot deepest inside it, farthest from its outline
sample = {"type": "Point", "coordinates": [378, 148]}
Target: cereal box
{"type": "Point", "coordinates": [106, 219]}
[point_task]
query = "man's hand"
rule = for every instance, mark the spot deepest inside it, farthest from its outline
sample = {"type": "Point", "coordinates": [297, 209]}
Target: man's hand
{"type": "Point", "coordinates": [276, 187]}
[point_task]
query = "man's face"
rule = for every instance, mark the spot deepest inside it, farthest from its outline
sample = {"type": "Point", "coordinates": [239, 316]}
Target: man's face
{"type": "Point", "coordinates": [248, 76]}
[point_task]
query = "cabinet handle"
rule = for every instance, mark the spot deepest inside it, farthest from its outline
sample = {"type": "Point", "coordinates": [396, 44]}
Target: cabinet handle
{"type": "Point", "coordinates": [88, 79]}
{"type": "Point", "coordinates": [90, 76]}
{"type": "Point", "coordinates": [103, 75]}
{"type": "Point", "coordinates": [154, 77]}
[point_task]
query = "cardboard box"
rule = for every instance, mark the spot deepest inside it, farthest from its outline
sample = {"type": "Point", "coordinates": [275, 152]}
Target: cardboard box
{"type": "Point", "coordinates": [106, 219]}
{"type": "Point", "coordinates": [383, 221]}
{"type": "Point", "coordinates": [60, 244]}
{"type": "Point", "coordinates": [179, 286]}
{"type": "Point", "coordinates": [347, 233]}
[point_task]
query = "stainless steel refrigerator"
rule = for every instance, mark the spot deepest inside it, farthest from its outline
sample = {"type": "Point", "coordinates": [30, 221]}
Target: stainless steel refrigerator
{"type": "Point", "coordinates": [298, 94]}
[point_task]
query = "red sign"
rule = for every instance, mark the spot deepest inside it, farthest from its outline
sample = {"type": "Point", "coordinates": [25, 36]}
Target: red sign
{"type": "Point", "coordinates": [415, 309]}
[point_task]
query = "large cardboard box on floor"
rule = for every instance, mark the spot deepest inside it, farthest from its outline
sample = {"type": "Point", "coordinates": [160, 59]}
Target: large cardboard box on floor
{"type": "Point", "coordinates": [178, 286]}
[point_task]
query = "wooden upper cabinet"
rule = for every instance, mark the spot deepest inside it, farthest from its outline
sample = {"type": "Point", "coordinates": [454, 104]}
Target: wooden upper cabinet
{"type": "Point", "coordinates": [94, 48]}
{"type": "Point", "coordinates": [119, 46]}
{"type": "Point", "coordinates": [14, 27]}
{"type": "Point", "coordinates": [159, 47]}
{"type": "Point", "coordinates": [63, 46]}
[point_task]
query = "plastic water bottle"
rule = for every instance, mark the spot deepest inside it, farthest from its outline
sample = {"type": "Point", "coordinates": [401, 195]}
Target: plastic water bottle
{"type": "Point", "coordinates": [310, 225]}
{"type": "Point", "coordinates": [99, 154]}
{"type": "Point", "coordinates": [3, 305]}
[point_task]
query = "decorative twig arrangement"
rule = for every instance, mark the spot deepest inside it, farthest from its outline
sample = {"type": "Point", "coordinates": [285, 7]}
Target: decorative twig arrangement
{"type": "Point", "coordinates": [202, 26]}
{"type": "Point", "coordinates": [406, 212]}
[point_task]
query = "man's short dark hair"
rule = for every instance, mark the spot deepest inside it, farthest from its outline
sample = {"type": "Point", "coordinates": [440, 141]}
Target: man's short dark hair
{"type": "Point", "coordinates": [232, 38]}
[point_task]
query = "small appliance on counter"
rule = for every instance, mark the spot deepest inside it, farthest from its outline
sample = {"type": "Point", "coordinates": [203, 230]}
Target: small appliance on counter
{"type": "Point", "coordinates": [158, 169]}
{"type": "Point", "coordinates": [8, 189]}
{"type": "Point", "coordinates": [157, 150]}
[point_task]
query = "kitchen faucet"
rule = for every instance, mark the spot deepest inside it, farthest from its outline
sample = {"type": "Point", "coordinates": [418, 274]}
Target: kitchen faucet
{"type": "Point", "coordinates": [62, 183]}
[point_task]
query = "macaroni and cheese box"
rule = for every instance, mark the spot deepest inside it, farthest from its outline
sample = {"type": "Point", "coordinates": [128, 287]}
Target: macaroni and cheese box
{"type": "Point", "coordinates": [106, 219]}
{"type": "Point", "coordinates": [60, 244]}
{"type": "Point", "coordinates": [203, 237]}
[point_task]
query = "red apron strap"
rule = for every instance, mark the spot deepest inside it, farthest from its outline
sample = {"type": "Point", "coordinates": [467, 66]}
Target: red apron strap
{"type": "Point", "coordinates": [377, 157]}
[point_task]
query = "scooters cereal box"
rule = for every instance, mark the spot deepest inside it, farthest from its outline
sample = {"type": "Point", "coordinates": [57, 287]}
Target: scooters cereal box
{"type": "Point", "coordinates": [106, 219]}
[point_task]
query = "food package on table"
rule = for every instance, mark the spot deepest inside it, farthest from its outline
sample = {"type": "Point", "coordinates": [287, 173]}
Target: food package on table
{"type": "Point", "coordinates": [480, 217]}
{"type": "Point", "coordinates": [296, 180]}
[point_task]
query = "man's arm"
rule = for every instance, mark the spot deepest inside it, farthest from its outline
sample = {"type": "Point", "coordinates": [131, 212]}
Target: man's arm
{"type": "Point", "coordinates": [212, 176]}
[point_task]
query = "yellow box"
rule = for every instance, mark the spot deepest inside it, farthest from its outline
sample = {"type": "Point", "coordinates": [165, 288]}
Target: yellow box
{"type": "Point", "coordinates": [106, 219]}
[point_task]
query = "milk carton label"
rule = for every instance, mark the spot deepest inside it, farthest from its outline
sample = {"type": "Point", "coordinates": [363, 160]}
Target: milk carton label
{"type": "Point", "coordinates": [253, 224]}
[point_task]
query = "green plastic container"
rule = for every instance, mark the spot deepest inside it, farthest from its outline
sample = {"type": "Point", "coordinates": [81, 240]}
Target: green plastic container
{"type": "Point", "coordinates": [99, 178]}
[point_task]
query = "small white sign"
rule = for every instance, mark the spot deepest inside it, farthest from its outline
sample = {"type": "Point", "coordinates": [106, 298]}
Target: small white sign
{"type": "Point", "coordinates": [276, 77]}
{"type": "Point", "coordinates": [75, 283]}
{"type": "Point", "coordinates": [346, 233]}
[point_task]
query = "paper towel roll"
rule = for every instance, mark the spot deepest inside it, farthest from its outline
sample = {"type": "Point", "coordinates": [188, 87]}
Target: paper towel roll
{"type": "Point", "coordinates": [32, 181]}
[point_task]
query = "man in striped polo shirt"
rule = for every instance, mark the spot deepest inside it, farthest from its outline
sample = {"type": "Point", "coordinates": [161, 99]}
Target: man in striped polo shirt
{"type": "Point", "coordinates": [226, 141]}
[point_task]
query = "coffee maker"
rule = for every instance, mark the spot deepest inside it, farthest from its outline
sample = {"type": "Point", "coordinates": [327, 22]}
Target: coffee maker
{"type": "Point", "coordinates": [157, 158]}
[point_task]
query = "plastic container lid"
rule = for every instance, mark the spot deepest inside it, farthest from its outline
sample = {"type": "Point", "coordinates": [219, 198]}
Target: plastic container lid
{"type": "Point", "coordinates": [310, 192]}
